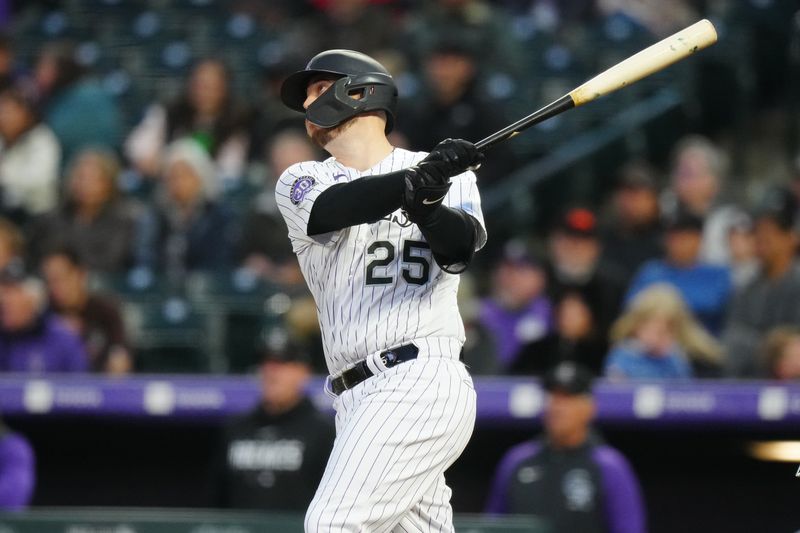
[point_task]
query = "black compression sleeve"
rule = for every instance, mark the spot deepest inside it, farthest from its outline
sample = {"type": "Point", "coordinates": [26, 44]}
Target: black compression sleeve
{"type": "Point", "coordinates": [451, 234]}
{"type": "Point", "coordinates": [360, 201]}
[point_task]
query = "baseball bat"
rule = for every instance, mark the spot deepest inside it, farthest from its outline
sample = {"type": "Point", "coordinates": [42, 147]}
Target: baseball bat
{"type": "Point", "coordinates": [656, 57]}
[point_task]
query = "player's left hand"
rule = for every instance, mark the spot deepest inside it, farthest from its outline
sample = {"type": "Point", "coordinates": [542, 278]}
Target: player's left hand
{"type": "Point", "coordinates": [424, 193]}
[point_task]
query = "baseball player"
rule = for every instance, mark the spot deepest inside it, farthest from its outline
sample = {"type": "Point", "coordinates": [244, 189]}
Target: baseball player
{"type": "Point", "coordinates": [381, 234]}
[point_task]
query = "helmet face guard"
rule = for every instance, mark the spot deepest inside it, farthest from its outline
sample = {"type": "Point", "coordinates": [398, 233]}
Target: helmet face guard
{"type": "Point", "coordinates": [354, 72]}
{"type": "Point", "coordinates": [339, 103]}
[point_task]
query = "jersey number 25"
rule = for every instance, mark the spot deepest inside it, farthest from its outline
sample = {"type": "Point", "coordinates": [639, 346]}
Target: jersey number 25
{"type": "Point", "coordinates": [416, 268]}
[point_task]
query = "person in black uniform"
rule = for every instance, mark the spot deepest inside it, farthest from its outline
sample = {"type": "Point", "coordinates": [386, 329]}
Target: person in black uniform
{"type": "Point", "coordinates": [570, 477]}
{"type": "Point", "coordinates": [274, 456]}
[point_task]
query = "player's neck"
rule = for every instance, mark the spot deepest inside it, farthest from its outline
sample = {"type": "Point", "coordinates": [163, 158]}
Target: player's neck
{"type": "Point", "coordinates": [361, 146]}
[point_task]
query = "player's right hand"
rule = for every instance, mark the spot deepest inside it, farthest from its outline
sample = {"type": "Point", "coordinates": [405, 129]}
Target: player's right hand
{"type": "Point", "coordinates": [450, 158]}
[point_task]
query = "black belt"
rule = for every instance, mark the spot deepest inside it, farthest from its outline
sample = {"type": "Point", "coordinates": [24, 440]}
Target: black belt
{"type": "Point", "coordinates": [355, 375]}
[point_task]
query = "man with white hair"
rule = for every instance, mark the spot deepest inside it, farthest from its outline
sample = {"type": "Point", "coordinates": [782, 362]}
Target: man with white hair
{"type": "Point", "coordinates": [30, 339]}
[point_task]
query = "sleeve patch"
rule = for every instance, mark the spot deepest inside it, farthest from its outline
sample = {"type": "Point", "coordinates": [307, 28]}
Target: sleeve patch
{"type": "Point", "coordinates": [300, 188]}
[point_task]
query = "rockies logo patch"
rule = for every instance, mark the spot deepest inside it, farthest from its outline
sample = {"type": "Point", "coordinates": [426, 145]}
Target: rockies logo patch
{"type": "Point", "coordinates": [300, 188]}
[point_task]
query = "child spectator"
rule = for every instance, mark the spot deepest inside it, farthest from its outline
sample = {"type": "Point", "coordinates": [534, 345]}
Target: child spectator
{"type": "Point", "coordinates": [29, 158]}
{"type": "Point", "coordinates": [517, 312]}
{"type": "Point", "coordinates": [93, 219]}
{"type": "Point", "coordinates": [97, 319]}
{"type": "Point", "coordinates": [705, 288]}
{"type": "Point", "coordinates": [205, 112]}
{"type": "Point", "coordinates": [31, 340]}
{"type": "Point", "coordinates": [187, 229]}
{"type": "Point", "coordinates": [782, 353]}
{"type": "Point", "coordinates": [657, 338]}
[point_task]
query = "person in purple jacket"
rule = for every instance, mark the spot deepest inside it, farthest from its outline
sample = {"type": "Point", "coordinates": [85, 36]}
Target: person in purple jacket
{"type": "Point", "coordinates": [569, 477]}
{"type": "Point", "coordinates": [32, 340]}
{"type": "Point", "coordinates": [17, 471]}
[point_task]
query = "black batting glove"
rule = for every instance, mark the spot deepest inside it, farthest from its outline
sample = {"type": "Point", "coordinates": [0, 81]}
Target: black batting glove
{"type": "Point", "coordinates": [427, 183]}
{"type": "Point", "coordinates": [424, 193]}
{"type": "Point", "coordinates": [450, 158]}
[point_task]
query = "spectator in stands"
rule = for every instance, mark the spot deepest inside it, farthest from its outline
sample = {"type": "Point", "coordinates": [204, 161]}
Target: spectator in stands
{"type": "Point", "coordinates": [95, 318]}
{"type": "Point", "coordinates": [93, 219]}
{"type": "Point", "coordinates": [576, 265]}
{"type": "Point", "coordinates": [31, 340]}
{"type": "Point", "coordinates": [771, 299]}
{"type": "Point", "coordinates": [12, 243]}
{"type": "Point", "coordinates": [29, 158]}
{"type": "Point", "coordinates": [574, 337]}
{"type": "Point", "coordinates": [698, 172]}
{"type": "Point", "coordinates": [569, 477]}
{"type": "Point", "coordinates": [479, 26]}
{"type": "Point", "coordinates": [187, 229]}
{"type": "Point", "coordinates": [742, 246]}
{"type": "Point", "coordinates": [657, 338]}
{"type": "Point", "coordinates": [517, 311]}
{"type": "Point", "coordinates": [705, 288]}
{"type": "Point", "coordinates": [352, 24]}
{"type": "Point", "coordinates": [273, 457]}
{"type": "Point", "coordinates": [76, 106]}
{"type": "Point", "coordinates": [452, 105]}
{"type": "Point", "coordinates": [206, 112]}
{"type": "Point", "coordinates": [264, 247]}
{"type": "Point", "coordinates": [782, 353]}
{"type": "Point", "coordinates": [634, 234]}
{"type": "Point", "coordinates": [17, 470]}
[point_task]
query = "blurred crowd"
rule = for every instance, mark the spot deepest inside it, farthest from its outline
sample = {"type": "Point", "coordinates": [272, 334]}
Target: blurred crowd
{"type": "Point", "coordinates": [118, 223]}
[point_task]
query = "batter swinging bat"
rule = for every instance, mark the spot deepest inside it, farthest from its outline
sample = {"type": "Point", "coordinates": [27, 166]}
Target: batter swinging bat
{"type": "Point", "coordinates": [652, 59]}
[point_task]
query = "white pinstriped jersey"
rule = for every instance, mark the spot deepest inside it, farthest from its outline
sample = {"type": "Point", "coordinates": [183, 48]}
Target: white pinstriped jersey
{"type": "Point", "coordinates": [376, 286]}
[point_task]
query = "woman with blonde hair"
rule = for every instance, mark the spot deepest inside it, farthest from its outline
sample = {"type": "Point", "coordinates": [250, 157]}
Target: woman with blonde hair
{"type": "Point", "coordinates": [658, 338]}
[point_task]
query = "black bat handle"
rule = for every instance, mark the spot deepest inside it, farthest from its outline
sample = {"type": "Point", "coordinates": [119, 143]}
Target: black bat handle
{"type": "Point", "coordinates": [550, 110]}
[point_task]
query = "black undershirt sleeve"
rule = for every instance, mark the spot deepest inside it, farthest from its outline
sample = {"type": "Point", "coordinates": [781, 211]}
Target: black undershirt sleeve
{"type": "Point", "coordinates": [451, 234]}
{"type": "Point", "coordinates": [360, 201]}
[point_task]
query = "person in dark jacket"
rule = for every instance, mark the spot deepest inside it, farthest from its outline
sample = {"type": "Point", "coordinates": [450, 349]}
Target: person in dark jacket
{"type": "Point", "coordinates": [274, 456]}
{"type": "Point", "coordinates": [188, 229]}
{"type": "Point", "coordinates": [569, 477]}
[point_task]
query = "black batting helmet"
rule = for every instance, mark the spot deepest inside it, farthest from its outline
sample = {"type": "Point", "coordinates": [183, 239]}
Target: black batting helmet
{"type": "Point", "coordinates": [355, 73]}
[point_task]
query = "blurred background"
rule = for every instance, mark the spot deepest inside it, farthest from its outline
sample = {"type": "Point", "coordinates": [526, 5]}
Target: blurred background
{"type": "Point", "coordinates": [159, 348]}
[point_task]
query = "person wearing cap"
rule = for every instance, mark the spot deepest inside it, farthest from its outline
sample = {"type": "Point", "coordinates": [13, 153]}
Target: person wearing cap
{"type": "Point", "coordinates": [569, 477]}
{"type": "Point", "coordinates": [633, 234]}
{"type": "Point", "coordinates": [517, 312]}
{"type": "Point", "coordinates": [273, 457]}
{"type": "Point", "coordinates": [576, 266]}
{"type": "Point", "coordinates": [32, 340]}
{"type": "Point", "coordinates": [706, 288]}
{"type": "Point", "coordinates": [773, 298]}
